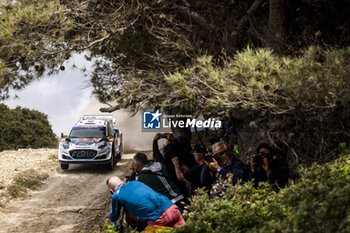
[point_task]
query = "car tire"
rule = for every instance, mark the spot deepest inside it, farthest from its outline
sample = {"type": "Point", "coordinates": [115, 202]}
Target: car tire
{"type": "Point", "coordinates": [64, 166]}
{"type": "Point", "coordinates": [121, 144]}
{"type": "Point", "coordinates": [111, 163]}
{"type": "Point", "coordinates": [119, 157]}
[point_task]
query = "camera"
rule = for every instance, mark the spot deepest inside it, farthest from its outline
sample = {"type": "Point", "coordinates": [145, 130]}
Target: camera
{"type": "Point", "coordinates": [209, 158]}
{"type": "Point", "coordinates": [163, 135]}
{"type": "Point", "coordinates": [259, 158]}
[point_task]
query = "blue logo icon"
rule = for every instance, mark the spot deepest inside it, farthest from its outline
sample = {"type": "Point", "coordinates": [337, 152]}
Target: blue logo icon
{"type": "Point", "coordinates": [151, 120]}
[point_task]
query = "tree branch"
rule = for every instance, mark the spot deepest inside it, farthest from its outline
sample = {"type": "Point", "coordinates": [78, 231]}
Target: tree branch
{"type": "Point", "coordinates": [244, 21]}
{"type": "Point", "coordinates": [194, 16]}
{"type": "Point", "coordinates": [111, 108]}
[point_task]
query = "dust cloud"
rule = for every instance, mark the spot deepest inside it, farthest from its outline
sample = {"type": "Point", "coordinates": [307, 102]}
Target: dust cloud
{"type": "Point", "coordinates": [133, 138]}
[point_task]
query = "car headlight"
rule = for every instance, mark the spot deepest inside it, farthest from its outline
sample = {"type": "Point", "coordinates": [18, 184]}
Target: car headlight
{"type": "Point", "coordinates": [101, 145]}
{"type": "Point", "coordinates": [65, 145]}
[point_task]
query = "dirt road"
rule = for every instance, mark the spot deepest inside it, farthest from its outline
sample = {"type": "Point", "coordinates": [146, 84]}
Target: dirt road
{"type": "Point", "coordinates": [69, 201]}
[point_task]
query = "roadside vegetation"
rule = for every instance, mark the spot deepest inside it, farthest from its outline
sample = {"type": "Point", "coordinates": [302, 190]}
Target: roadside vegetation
{"type": "Point", "coordinates": [318, 202]}
{"type": "Point", "coordinates": [23, 170]}
{"type": "Point", "coordinates": [53, 157]}
{"type": "Point", "coordinates": [24, 181]}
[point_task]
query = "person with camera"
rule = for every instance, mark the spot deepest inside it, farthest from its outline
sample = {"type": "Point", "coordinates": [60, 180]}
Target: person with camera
{"type": "Point", "coordinates": [224, 163]}
{"type": "Point", "coordinates": [268, 167]}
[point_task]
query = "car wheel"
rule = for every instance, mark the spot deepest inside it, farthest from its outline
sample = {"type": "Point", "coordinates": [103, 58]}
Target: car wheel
{"type": "Point", "coordinates": [119, 156]}
{"type": "Point", "coordinates": [121, 144]}
{"type": "Point", "coordinates": [64, 166]}
{"type": "Point", "coordinates": [111, 163]}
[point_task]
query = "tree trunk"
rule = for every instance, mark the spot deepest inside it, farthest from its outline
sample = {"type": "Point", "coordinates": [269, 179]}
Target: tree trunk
{"type": "Point", "coordinates": [276, 34]}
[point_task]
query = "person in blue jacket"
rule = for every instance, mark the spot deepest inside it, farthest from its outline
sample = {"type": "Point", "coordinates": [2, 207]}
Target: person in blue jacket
{"type": "Point", "coordinates": [142, 201]}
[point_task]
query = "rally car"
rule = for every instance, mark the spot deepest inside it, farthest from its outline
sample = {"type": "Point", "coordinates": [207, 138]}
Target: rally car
{"type": "Point", "coordinates": [93, 139]}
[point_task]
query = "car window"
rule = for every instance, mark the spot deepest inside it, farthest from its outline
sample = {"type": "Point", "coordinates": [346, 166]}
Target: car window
{"type": "Point", "coordinates": [88, 132]}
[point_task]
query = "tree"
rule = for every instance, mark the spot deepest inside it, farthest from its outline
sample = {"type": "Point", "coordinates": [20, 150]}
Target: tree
{"type": "Point", "coordinates": [140, 41]}
{"type": "Point", "coordinates": [144, 50]}
{"type": "Point", "coordinates": [24, 128]}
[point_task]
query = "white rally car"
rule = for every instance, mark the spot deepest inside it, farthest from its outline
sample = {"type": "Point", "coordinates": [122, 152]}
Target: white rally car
{"type": "Point", "coordinates": [93, 139]}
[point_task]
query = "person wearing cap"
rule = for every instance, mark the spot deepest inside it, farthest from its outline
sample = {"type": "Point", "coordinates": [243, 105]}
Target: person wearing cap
{"type": "Point", "coordinates": [142, 201]}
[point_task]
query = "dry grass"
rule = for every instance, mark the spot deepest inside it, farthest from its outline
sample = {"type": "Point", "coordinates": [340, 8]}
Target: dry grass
{"type": "Point", "coordinates": [22, 182]}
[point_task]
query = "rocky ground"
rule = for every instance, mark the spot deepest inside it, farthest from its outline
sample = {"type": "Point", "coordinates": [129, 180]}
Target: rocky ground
{"type": "Point", "coordinates": [68, 201]}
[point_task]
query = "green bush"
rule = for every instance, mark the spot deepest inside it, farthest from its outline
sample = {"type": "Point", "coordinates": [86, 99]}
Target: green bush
{"type": "Point", "coordinates": [24, 128]}
{"type": "Point", "coordinates": [319, 202]}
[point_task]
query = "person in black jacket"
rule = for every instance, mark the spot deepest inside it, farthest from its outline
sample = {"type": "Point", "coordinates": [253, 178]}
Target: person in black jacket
{"type": "Point", "coordinates": [267, 166]}
{"type": "Point", "coordinates": [193, 174]}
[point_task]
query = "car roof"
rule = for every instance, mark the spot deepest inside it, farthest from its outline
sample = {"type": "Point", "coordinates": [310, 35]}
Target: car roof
{"type": "Point", "coordinates": [92, 123]}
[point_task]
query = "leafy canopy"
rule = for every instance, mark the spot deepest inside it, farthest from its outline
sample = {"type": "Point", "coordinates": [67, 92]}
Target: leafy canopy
{"type": "Point", "coordinates": [140, 42]}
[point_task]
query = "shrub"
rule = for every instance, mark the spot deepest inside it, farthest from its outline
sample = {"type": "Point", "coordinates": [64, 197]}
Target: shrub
{"type": "Point", "coordinates": [319, 202]}
{"type": "Point", "coordinates": [29, 179]}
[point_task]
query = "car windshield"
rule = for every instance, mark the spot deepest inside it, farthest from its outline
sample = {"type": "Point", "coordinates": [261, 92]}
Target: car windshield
{"type": "Point", "coordinates": [88, 133]}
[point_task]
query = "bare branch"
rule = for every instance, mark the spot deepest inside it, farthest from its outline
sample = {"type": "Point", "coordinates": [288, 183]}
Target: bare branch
{"type": "Point", "coordinates": [194, 16]}
{"type": "Point", "coordinates": [244, 21]}
{"type": "Point", "coordinates": [111, 109]}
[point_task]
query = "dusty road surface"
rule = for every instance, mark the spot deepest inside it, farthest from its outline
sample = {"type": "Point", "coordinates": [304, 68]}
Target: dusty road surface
{"type": "Point", "coordinates": [69, 201]}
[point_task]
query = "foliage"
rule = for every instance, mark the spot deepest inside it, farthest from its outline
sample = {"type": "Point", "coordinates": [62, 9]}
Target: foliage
{"type": "Point", "coordinates": [53, 157]}
{"type": "Point", "coordinates": [301, 102]}
{"type": "Point", "coordinates": [319, 202]}
{"type": "Point", "coordinates": [29, 179]}
{"type": "Point", "coordinates": [32, 37]}
{"type": "Point", "coordinates": [140, 41]}
{"type": "Point", "coordinates": [183, 55]}
{"type": "Point", "coordinates": [107, 228]}
{"type": "Point", "coordinates": [24, 128]}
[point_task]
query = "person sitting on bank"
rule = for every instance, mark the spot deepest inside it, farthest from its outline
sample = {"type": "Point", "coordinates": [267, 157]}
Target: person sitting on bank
{"type": "Point", "coordinates": [143, 202]}
{"type": "Point", "coordinates": [156, 177]}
